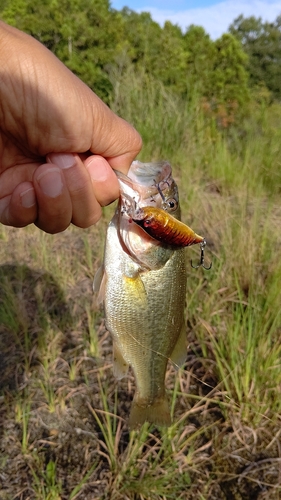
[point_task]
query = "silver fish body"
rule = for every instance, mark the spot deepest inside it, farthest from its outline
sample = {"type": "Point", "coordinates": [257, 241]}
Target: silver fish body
{"type": "Point", "coordinates": [144, 289]}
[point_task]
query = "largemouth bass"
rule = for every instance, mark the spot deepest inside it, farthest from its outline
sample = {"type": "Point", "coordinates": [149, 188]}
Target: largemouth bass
{"type": "Point", "coordinates": [143, 287]}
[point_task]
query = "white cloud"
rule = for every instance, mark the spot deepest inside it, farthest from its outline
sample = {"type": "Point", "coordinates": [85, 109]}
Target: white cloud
{"type": "Point", "coordinates": [216, 19]}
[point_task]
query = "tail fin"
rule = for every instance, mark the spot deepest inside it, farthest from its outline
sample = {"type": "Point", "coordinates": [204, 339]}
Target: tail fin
{"type": "Point", "coordinates": [157, 412]}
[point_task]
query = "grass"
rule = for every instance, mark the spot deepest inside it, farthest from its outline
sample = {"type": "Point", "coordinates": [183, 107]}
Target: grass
{"type": "Point", "coordinates": [63, 417]}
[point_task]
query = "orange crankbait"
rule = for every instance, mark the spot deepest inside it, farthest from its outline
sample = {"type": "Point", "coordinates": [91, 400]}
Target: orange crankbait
{"type": "Point", "coordinates": [163, 227]}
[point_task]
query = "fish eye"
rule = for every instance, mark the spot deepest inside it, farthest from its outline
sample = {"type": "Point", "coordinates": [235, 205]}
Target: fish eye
{"type": "Point", "coordinates": [171, 204]}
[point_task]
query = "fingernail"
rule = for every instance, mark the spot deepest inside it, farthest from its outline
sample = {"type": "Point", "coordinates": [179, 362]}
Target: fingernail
{"type": "Point", "coordinates": [98, 170]}
{"type": "Point", "coordinates": [62, 160]}
{"type": "Point", "coordinates": [28, 198]}
{"type": "Point", "coordinates": [51, 182]}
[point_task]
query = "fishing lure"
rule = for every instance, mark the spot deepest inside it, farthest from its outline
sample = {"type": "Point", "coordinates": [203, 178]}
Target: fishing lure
{"type": "Point", "coordinates": [163, 227]}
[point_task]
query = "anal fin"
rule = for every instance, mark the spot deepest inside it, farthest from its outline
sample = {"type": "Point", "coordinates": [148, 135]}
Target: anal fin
{"type": "Point", "coordinates": [178, 355]}
{"type": "Point", "coordinates": [120, 366]}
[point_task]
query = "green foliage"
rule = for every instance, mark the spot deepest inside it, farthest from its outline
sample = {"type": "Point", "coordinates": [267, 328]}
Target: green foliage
{"type": "Point", "coordinates": [229, 76]}
{"type": "Point", "coordinates": [201, 54]}
{"type": "Point", "coordinates": [168, 63]}
{"type": "Point", "coordinates": [139, 35]}
{"type": "Point", "coordinates": [82, 33]}
{"type": "Point", "coordinates": [156, 51]}
{"type": "Point", "coordinates": [229, 81]}
{"type": "Point", "coordinates": [94, 40]}
{"type": "Point", "coordinates": [262, 42]}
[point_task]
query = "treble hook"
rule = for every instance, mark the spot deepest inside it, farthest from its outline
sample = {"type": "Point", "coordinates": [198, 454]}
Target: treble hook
{"type": "Point", "coordinates": [201, 263]}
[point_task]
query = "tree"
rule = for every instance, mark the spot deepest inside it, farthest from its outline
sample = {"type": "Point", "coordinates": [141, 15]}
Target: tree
{"type": "Point", "coordinates": [218, 71]}
{"type": "Point", "coordinates": [229, 82]}
{"type": "Point", "coordinates": [99, 44]}
{"type": "Point", "coordinates": [140, 35]}
{"type": "Point", "coordinates": [82, 33]}
{"type": "Point", "coordinates": [262, 42]}
{"type": "Point", "coordinates": [230, 77]}
{"type": "Point", "coordinates": [168, 62]}
{"type": "Point", "coordinates": [200, 54]}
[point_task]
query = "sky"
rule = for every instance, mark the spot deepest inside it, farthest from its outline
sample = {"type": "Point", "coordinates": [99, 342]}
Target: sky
{"type": "Point", "coordinates": [214, 15]}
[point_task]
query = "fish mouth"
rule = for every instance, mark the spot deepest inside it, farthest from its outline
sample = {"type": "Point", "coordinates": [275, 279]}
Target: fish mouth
{"type": "Point", "coordinates": [144, 180]}
{"type": "Point", "coordinates": [128, 189]}
{"type": "Point", "coordinates": [149, 174]}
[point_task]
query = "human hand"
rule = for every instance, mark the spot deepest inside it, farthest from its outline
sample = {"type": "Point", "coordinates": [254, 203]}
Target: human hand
{"type": "Point", "coordinates": [58, 141]}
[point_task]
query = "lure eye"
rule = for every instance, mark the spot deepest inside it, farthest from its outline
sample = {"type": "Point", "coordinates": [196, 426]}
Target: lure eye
{"type": "Point", "coordinates": [147, 222]}
{"type": "Point", "coordinates": [171, 204]}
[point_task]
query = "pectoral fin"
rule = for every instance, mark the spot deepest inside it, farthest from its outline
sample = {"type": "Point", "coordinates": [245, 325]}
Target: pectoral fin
{"type": "Point", "coordinates": [178, 356]}
{"type": "Point", "coordinates": [135, 290]}
{"type": "Point", "coordinates": [120, 367]}
{"type": "Point", "coordinates": [99, 284]}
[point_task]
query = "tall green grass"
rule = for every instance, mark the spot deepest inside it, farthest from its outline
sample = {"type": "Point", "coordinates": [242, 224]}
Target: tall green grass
{"type": "Point", "coordinates": [64, 433]}
{"type": "Point", "coordinates": [246, 156]}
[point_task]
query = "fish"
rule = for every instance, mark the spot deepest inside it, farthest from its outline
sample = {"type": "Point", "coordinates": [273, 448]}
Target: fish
{"type": "Point", "coordinates": [142, 285]}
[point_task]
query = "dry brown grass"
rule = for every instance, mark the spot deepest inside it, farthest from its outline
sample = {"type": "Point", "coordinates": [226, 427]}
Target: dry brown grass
{"type": "Point", "coordinates": [63, 416]}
